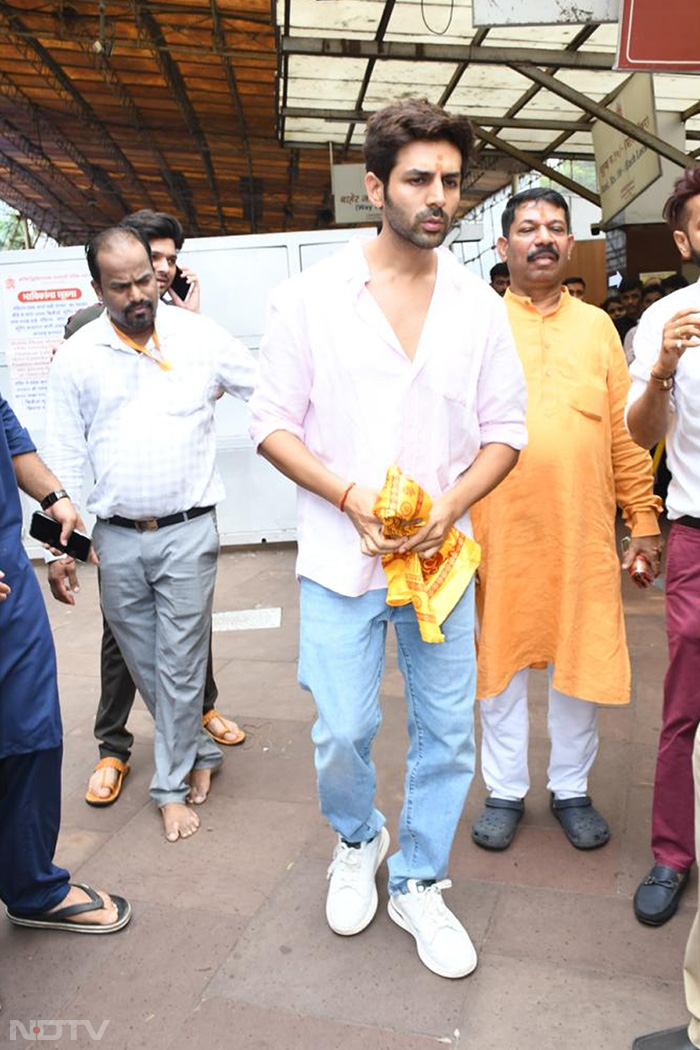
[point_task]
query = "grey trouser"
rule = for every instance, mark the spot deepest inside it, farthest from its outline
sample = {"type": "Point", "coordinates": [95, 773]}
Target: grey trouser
{"type": "Point", "coordinates": [156, 591]}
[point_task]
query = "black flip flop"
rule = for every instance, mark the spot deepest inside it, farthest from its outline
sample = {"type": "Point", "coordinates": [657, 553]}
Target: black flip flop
{"type": "Point", "coordinates": [60, 919]}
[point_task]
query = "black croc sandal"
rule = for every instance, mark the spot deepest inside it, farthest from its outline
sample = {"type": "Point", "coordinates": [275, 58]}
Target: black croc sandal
{"type": "Point", "coordinates": [497, 823]}
{"type": "Point", "coordinates": [583, 825]}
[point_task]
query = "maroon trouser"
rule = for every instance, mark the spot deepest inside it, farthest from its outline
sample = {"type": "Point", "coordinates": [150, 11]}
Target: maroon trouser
{"type": "Point", "coordinates": [672, 827]}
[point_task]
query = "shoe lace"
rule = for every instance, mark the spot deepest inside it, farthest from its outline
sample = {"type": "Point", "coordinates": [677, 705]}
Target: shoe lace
{"type": "Point", "coordinates": [345, 865]}
{"type": "Point", "coordinates": [435, 911]}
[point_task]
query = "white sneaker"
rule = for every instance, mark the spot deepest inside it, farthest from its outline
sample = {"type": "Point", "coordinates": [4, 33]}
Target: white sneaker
{"type": "Point", "coordinates": [352, 895]}
{"type": "Point", "coordinates": [443, 943]}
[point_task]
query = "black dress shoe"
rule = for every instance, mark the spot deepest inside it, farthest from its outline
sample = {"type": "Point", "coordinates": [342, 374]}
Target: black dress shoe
{"type": "Point", "coordinates": [669, 1039]}
{"type": "Point", "coordinates": [659, 894]}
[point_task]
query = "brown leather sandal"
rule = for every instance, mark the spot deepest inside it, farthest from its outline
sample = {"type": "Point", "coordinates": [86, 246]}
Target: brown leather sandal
{"type": "Point", "coordinates": [240, 735]}
{"type": "Point", "coordinates": [122, 769]}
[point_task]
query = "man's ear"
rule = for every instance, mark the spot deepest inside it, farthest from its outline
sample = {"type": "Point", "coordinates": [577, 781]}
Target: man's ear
{"type": "Point", "coordinates": [570, 245]}
{"type": "Point", "coordinates": [97, 290]}
{"type": "Point", "coordinates": [502, 249]}
{"type": "Point", "coordinates": [375, 189]}
{"type": "Point", "coordinates": [682, 243]}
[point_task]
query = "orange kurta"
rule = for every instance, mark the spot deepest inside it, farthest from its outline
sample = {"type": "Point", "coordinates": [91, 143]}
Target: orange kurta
{"type": "Point", "coordinates": [550, 574]}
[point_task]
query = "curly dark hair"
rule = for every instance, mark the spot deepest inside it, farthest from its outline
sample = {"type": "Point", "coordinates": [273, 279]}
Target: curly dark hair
{"type": "Point", "coordinates": [412, 120]}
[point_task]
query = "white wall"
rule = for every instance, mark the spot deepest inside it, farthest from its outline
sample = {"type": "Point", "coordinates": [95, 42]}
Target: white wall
{"type": "Point", "coordinates": [236, 276]}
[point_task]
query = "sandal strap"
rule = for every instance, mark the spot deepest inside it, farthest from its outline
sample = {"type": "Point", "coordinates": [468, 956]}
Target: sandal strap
{"type": "Point", "coordinates": [505, 803]}
{"type": "Point", "coordinates": [213, 713]}
{"type": "Point", "coordinates": [582, 802]}
{"type": "Point", "coordinates": [94, 904]}
{"type": "Point", "coordinates": [111, 763]}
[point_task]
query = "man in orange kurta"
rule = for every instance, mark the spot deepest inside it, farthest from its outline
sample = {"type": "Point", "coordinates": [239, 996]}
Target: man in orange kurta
{"type": "Point", "coordinates": [549, 592]}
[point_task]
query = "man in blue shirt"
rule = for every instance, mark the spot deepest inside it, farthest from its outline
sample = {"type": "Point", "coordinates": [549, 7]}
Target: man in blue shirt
{"type": "Point", "coordinates": [36, 892]}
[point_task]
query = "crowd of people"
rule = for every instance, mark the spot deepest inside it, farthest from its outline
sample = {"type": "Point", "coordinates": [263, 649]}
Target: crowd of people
{"type": "Point", "coordinates": [422, 447]}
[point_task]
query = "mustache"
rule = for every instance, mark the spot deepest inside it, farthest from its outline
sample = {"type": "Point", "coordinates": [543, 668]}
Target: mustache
{"type": "Point", "coordinates": [139, 306]}
{"type": "Point", "coordinates": [431, 213]}
{"type": "Point", "coordinates": [550, 251]}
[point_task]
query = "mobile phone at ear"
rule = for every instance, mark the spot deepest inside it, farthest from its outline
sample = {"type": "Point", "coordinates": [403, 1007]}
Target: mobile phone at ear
{"type": "Point", "coordinates": [47, 530]}
{"type": "Point", "coordinates": [181, 286]}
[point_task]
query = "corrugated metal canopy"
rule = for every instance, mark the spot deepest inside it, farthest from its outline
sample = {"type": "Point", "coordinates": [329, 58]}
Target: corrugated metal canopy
{"type": "Point", "coordinates": [529, 88]}
{"type": "Point", "coordinates": [222, 110]}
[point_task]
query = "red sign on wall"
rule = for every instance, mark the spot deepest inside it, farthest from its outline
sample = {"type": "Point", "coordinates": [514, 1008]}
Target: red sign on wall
{"type": "Point", "coordinates": [661, 37]}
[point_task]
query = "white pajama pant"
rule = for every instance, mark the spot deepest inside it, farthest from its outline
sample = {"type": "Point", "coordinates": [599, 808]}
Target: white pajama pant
{"type": "Point", "coordinates": [573, 734]}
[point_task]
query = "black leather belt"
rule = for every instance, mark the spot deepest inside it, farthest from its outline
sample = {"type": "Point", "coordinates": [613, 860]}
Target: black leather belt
{"type": "Point", "coordinates": [692, 523]}
{"type": "Point", "coordinates": [151, 524]}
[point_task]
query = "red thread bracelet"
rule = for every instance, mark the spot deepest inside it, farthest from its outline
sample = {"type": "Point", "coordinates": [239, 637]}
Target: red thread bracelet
{"type": "Point", "coordinates": [341, 505]}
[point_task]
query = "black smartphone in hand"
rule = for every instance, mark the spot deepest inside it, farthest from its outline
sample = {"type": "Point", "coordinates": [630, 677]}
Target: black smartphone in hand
{"type": "Point", "coordinates": [181, 286]}
{"type": "Point", "coordinates": [47, 530]}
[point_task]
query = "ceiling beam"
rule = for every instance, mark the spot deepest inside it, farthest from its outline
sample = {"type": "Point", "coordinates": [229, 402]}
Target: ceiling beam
{"type": "Point", "coordinates": [387, 12]}
{"type": "Point", "coordinates": [176, 83]}
{"type": "Point", "coordinates": [86, 38]}
{"type": "Point", "coordinates": [581, 37]}
{"type": "Point", "coordinates": [531, 161]}
{"type": "Point", "coordinates": [461, 69]}
{"type": "Point", "coordinates": [231, 81]}
{"type": "Point", "coordinates": [18, 171]}
{"type": "Point", "coordinates": [557, 87]}
{"type": "Point", "coordinates": [403, 51]}
{"type": "Point", "coordinates": [361, 116]}
{"type": "Point", "coordinates": [39, 159]}
{"type": "Point", "coordinates": [44, 124]}
{"type": "Point", "coordinates": [44, 219]}
{"type": "Point", "coordinates": [54, 75]}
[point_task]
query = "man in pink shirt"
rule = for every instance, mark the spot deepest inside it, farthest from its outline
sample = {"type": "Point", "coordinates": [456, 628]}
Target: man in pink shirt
{"type": "Point", "coordinates": [390, 352]}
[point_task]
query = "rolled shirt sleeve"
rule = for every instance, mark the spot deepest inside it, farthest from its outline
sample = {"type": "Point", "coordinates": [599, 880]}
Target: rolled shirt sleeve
{"type": "Point", "coordinates": [281, 398]}
{"type": "Point", "coordinates": [502, 391]}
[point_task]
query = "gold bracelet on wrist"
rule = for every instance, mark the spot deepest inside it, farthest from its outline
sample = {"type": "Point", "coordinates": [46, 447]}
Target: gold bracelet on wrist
{"type": "Point", "coordinates": [665, 382]}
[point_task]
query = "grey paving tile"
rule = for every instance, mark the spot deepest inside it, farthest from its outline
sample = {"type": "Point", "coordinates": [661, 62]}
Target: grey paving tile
{"type": "Point", "coordinates": [376, 976]}
{"type": "Point", "coordinates": [583, 930]}
{"type": "Point", "coordinates": [263, 689]}
{"type": "Point", "coordinates": [543, 1006]}
{"type": "Point", "coordinates": [230, 866]}
{"type": "Point", "coordinates": [220, 1024]}
{"type": "Point", "coordinates": [147, 980]}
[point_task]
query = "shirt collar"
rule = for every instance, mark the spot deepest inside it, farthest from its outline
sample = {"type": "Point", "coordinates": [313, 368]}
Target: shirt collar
{"type": "Point", "coordinates": [526, 302]}
{"type": "Point", "coordinates": [356, 268]}
{"type": "Point", "coordinates": [106, 336]}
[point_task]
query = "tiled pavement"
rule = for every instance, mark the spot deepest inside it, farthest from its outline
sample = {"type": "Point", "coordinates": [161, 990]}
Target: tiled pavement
{"type": "Point", "coordinates": [228, 947]}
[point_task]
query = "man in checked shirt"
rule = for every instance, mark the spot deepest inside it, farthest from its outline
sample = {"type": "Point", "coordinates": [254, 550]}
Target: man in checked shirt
{"type": "Point", "coordinates": [134, 392]}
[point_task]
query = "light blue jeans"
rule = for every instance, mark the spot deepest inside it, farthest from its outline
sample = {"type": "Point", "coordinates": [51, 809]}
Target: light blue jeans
{"type": "Point", "coordinates": [341, 661]}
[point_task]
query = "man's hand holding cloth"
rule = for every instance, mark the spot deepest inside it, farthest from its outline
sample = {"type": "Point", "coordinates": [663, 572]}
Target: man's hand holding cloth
{"type": "Point", "coordinates": [433, 585]}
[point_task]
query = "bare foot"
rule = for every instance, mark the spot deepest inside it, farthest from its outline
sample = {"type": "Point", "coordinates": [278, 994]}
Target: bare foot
{"type": "Point", "coordinates": [200, 782]}
{"type": "Point", "coordinates": [179, 821]}
{"type": "Point", "coordinates": [102, 917]}
{"type": "Point", "coordinates": [102, 781]}
{"type": "Point", "coordinates": [225, 728]}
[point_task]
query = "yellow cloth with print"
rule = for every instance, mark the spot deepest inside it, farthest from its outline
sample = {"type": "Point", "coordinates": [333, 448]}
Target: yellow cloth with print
{"type": "Point", "coordinates": [433, 585]}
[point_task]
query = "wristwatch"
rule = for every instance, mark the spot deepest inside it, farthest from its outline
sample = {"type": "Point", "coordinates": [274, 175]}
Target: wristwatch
{"type": "Point", "coordinates": [53, 497]}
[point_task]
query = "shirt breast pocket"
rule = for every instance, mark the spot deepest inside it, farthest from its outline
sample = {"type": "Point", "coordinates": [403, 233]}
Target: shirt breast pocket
{"type": "Point", "coordinates": [591, 402]}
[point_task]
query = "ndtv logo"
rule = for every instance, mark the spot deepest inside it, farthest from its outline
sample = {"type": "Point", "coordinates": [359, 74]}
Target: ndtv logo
{"type": "Point", "coordinates": [54, 1029]}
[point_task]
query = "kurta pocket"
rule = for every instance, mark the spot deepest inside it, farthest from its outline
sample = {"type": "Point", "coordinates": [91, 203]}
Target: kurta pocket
{"type": "Point", "coordinates": [591, 402]}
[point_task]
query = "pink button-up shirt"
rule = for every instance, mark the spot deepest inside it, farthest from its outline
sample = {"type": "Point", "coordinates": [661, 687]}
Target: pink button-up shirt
{"type": "Point", "coordinates": [334, 374]}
